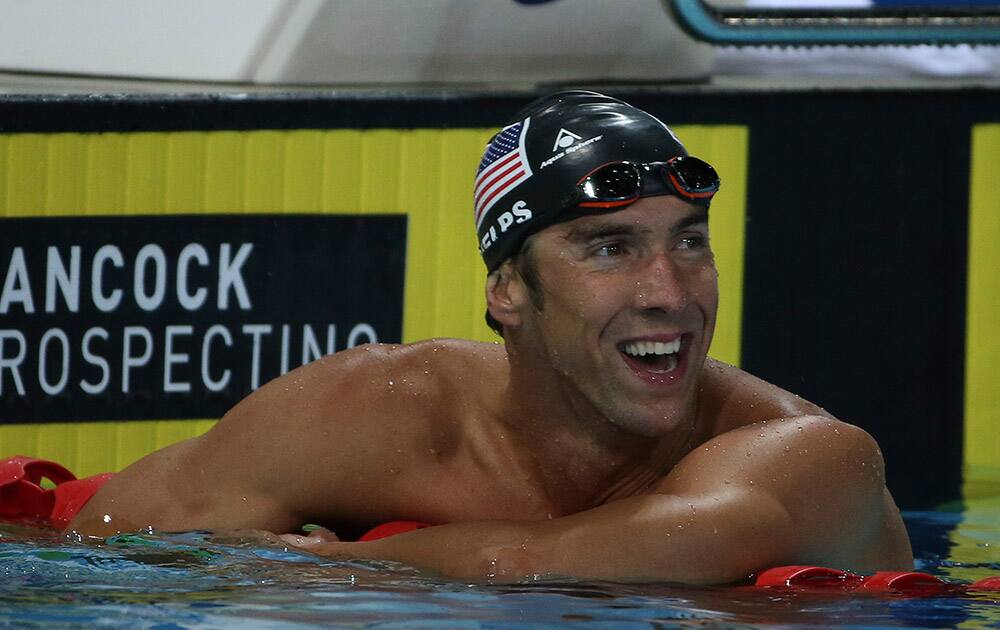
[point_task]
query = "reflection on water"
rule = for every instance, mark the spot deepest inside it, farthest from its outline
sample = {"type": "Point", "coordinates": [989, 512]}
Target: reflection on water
{"type": "Point", "coordinates": [186, 579]}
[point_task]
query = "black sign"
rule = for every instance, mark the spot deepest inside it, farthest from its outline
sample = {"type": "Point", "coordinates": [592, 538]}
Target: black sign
{"type": "Point", "coordinates": [143, 317]}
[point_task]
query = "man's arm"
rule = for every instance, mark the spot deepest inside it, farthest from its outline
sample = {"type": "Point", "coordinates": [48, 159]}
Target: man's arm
{"type": "Point", "coordinates": [178, 488]}
{"type": "Point", "coordinates": [804, 490]}
{"type": "Point", "coordinates": [279, 458]}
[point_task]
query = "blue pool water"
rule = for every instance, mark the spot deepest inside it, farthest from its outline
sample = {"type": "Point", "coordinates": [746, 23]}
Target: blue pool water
{"type": "Point", "coordinates": [188, 580]}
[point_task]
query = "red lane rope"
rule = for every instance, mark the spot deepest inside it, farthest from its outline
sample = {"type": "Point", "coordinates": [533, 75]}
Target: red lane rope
{"type": "Point", "coordinates": [23, 498]}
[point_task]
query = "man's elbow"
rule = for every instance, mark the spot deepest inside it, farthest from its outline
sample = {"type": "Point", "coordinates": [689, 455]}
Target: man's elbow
{"type": "Point", "coordinates": [165, 490]}
{"type": "Point", "coordinates": [100, 516]}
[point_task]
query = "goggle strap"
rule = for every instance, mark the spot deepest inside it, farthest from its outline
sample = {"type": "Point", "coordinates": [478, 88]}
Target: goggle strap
{"type": "Point", "coordinates": [608, 204]}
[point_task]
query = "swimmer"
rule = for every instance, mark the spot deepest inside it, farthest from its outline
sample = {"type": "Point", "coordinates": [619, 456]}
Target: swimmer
{"type": "Point", "coordinates": [597, 441]}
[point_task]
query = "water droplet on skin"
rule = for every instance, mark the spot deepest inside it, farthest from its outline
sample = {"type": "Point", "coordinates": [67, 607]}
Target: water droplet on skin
{"type": "Point", "coordinates": [750, 481]}
{"type": "Point", "coordinates": [391, 382]}
{"type": "Point", "coordinates": [787, 448]}
{"type": "Point", "coordinates": [799, 427]}
{"type": "Point", "coordinates": [107, 518]}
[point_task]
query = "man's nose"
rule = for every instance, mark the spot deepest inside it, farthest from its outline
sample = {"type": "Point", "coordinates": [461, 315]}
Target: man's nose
{"type": "Point", "coordinates": [661, 286]}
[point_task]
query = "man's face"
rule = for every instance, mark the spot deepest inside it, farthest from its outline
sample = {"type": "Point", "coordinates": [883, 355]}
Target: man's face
{"type": "Point", "coordinates": [629, 305]}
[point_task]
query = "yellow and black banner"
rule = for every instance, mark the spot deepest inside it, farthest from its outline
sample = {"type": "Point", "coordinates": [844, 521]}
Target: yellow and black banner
{"type": "Point", "coordinates": [161, 257]}
{"type": "Point", "coordinates": [180, 316]}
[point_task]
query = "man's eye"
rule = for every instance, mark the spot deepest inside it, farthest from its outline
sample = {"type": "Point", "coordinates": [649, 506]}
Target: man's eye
{"type": "Point", "coordinates": [609, 249]}
{"type": "Point", "coordinates": [695, 241]}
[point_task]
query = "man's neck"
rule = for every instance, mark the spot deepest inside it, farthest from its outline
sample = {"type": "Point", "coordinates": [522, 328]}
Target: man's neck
{"type": "Point", "coordinates": [578, 456]}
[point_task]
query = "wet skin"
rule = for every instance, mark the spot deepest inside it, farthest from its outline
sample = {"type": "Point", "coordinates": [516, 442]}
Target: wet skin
{"type": "Point", "coordinates": [639, 274]}
{"type": "Point", "coordinates": [556, 453]}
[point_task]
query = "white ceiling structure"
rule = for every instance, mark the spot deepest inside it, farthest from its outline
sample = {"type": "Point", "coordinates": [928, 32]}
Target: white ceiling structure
{"type": "Point", "coordinates": [349, 42]}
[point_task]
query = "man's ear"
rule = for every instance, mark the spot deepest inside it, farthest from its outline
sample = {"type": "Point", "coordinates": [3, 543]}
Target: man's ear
{"type": "Point", "coordinates": [505, 294]}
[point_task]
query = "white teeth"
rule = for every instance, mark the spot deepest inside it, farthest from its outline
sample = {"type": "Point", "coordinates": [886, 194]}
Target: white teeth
{"type": "Point", "coordinates": [642, 348]}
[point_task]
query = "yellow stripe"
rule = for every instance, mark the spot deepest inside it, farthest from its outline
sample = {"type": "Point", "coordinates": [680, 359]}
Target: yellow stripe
{"type": "Point", "coordinates": [982, 345]}
{"type": "Point", "coordinates": [89, 448]}
{"type": "Point", "coordinates": [726, 148]}
{"type": "Point", "coordinates": [426, 174]}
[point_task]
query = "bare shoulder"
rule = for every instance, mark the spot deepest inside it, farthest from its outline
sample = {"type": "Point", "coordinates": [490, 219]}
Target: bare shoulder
{"type": "Point", "coordinates": [826, 477]}
{"type": "Point", "coordinates": [307, 444]}
{"type": "Point", "coordinates": [731, 398]}
{"type": "Point", "coordinates": [787, 454]}
{"type": "Point", "coordinates": [364, 382]}
{"type": "Point", "coordinates": [792, 448]}
{"type": "Point", "coordinates": [783, 433]}
{"type": "Point", "coordinates": [769, 446]}
{"type": "Point", "coordinates": [370, 403]}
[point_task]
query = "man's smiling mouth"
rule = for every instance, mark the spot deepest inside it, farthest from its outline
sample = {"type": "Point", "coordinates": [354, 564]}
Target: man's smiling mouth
{"type": "Point", "coordinates": [657, 357]}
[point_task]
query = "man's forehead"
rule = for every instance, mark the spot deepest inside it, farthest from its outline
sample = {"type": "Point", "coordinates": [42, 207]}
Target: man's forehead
{"type": "Point", "coordinates": [633, 220]}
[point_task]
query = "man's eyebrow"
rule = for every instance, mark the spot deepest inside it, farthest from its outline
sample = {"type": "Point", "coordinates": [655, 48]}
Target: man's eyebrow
{"type": "Point", "coordinates": [583, 233]}
{"type": "Point", "coordinates": [696, 218]}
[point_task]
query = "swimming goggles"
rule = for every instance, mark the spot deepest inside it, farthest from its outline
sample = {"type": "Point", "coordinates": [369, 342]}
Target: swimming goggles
{"type": "Point", "coordinates": [621, 183]}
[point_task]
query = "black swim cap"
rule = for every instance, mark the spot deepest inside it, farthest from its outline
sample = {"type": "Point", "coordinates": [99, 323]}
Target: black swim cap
{"type": "Point", "coordinates": [531, 167]}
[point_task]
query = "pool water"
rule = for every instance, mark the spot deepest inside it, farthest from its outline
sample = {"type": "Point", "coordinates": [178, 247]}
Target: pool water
{"type": "Point", "coordinates": [189, 580]}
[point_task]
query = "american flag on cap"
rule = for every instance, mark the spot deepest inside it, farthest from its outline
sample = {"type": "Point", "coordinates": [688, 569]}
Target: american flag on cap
{"type": "Point", "coordinates": [504, 166]}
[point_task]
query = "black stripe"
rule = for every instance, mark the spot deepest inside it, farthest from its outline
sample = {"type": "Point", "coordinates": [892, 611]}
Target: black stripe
{"type": "Point", "coordinates": [402, 109]}
{"type": "Point", "coordinates": [855, 272]}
